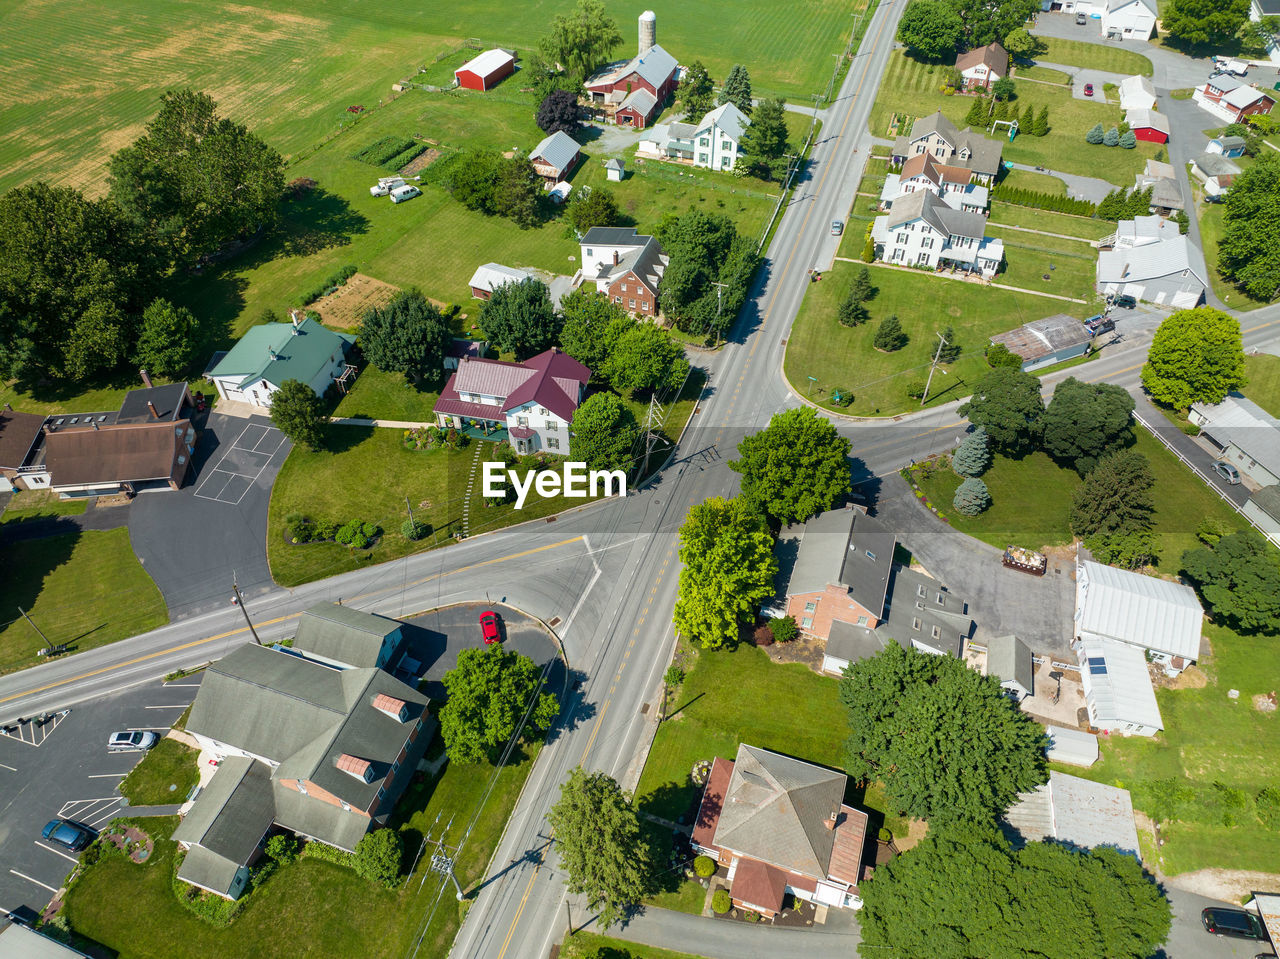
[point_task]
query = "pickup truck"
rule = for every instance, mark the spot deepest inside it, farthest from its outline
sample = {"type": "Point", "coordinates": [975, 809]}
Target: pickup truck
{"type": "Point", "coordinates": [385, 185]}
{"type": "Point", "coordinates": [1029, 561]}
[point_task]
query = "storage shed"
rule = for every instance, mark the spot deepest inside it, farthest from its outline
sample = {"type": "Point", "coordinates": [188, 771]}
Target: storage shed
{"type": "Point", "coordinates": [1072, 746]}
{"type": "Point", "coordinates": [485, 71]}
{"type": "Point", "coordinates": [1148, 125]}
{"type": "Point", "coordinates": [1045, 342]}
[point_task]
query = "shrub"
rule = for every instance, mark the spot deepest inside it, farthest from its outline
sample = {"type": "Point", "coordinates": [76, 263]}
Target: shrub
{"type": "Point", "coordinates": [972, 497]}
{"type": "Point", "coordinates": [1095, 135]}
{"type": "Point", "coordinates": [282, 849]}
{"type": "Point", "coordinates": [999, 355]}
{"type": "Point", "coordinates": [1111, 138]}
{"type": "Point", "coordinates": [890, 337]}
{"type": "Point", "coordinates": [413, 530]}
{"type": "Point", "coordinates": [704, 867]}
{"type": "Point", "coordinates": [1053, 202]}
{"type": "Point", "coordinates": [915, 388]}
{"type": "Point", "coordinates": [752, 916]}
{"type": "Point", "coordinates": [973, 456]}
{"type": "Point", "coordinates": [1127, 140]}
{"type": "Point", "coordinates": [1268, 806]}
{"type": "Point", "coordinates": [885, 834]}
{"type": "Point", "coordinates": [842, 397]}
{"type": "Point", "coordinates": [378, 856]}
{"type": "Point", "coordinates": [334, 281]}
{"type": "Point", "coordinates": [674, 675]}
{"type": "Point", "coordinates": [784, 628]}
{"type": "Point", "coordinates": [720, 902]}
{"type": "Point", "coordinates": [357, 534]}
{"type": "Point", "coordinates": [382, 150]}
{"type": "Point", "coordinates": [326, 529]}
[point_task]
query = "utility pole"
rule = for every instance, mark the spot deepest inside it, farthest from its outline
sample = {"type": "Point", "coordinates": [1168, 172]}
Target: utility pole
{"type": "Point", "coordinates": [47, 644]}
{"type": "Point", "coordinates": [235, 587]}
{"type": "Point", "coordinates": [569, 916]}
{"type": "Point", "coordinates": [942, 341]}
{"type": "Point", "coordinates": [442, 859]}
{"type": "Point", "coordinates": [652, 423]}
{"type": "Point", "coordinates": [410, 509]}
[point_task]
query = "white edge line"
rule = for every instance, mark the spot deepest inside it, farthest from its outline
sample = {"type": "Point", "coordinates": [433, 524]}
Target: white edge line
{"type": "Point", "coordinates": [56, 852]}
{"type": "Point", "coordinates": [42, 885]}
{"type": "Point", "coordinates": [174, 706]}
{"type": "Point", "coordinates": [10, 768]}
{"type": "Point", "coordinates": [108, 775]}
{"type": "Point", "coordinates": [181, 685]}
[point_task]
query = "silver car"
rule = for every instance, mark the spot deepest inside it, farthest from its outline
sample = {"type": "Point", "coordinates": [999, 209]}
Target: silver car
{"type": "Point", "coordinates": [1227, 472]}
{"type": "Point", "coordinates": [136, 740]}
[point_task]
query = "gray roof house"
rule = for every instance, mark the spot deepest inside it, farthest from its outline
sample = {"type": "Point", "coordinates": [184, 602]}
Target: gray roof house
{"type": "Point", "coordinates": [20, 941]}
{"type": "Point", "coordinates": [555, 156]}
{"type": "Point", "coordinates": [1009, 660]}
{"type": "Point", "coordinates": [1263, 510]}
{"type": "Point", "coordinates": [1246, 434]}
{"type": "Point", "coordinates": [1148, 259]}
{"type": "Point", "coordinates": [303, 744]}
{"type": "Point", "coordinates": [1047, 341]}
{"type": "Point", "coordinates": [1076, 811]}
{"type": "Point", "coordinates": [348, 637]}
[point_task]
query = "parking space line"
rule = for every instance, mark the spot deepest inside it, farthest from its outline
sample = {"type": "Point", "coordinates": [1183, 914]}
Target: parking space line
{"type": "Point", "coordinates": [208, 478]}
{"type": "Point", "coordinates": [232, 474]}
{"type": "Point", "coordinates": [56, 852]}
{"type": "Point", "coordinates": [111, 811]}
{"type": "Point", "coordinates": [107, 775]}
{"type": "Point", "coordinates": [23, 875]}
{"type": "Point", "coordinates": [10, 768]}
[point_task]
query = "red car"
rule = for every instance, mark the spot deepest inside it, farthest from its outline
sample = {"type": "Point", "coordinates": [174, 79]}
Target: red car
{"type": "Point", "coordinates": [489, 626]}
{"type": "Point", "coordinates": [1088, 89]}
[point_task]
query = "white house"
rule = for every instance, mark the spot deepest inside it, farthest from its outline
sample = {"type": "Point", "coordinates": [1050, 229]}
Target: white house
{"type": "Point", "coordinates": [271, 353]}
{"type": "Point", "coordinates": [713, 142]}
{"type": "Point", "coordinates": [1245, 435]}
{"type": "Point", "coordinates": [533, 401]}
{"type": "Point", "coordinates": [1117, 688]}
{"type": "Point", "coordinates": [983, 66]}
{"type": "Point", "coordinates": [1148, 259]}
{"type": "Point", "coordinates": [1129, 19]}
{"type": "Point", "coordinates": [1216, 171]}
{"type": "Point", "coordinates": [922, 230]}
{"type": "Point", "coordinates": [1119, 606]}
{"type": "Point", "coordinates": [1137, 93]}
{"type": "Point", "coordinates": [953, 184]}
{"type": "Point", "coordinates": [1009, 660]}
{"type": "Point", "coordinates": [1267, 8]}
{"type": "Point", "coordinates": [1263, 510]}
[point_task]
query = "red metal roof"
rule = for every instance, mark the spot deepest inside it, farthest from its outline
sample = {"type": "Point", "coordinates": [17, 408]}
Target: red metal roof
{"type": "Point", "coordinates": [551, 379]}
{"type": "Point", "coordinates": [704, 827]}
{"type": "Point", "coordinates": [758, 884]}
{"type": "Point", "coordinates": [846, 854]}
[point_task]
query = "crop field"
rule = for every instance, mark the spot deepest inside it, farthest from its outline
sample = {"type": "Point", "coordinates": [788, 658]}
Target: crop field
{"type": "Point", "coordinates": [79, 86]}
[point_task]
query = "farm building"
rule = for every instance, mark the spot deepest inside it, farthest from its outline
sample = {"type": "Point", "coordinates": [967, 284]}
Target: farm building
{"type": "Point", "coordinates": [1229, 147]}
{"type": "Point", "coordinates": [1128, 19]}
{"type": "Point", "coordinates": [1148, 125]}
{"type": "Point", "coordinates": [1076, 812]}
{"type": "Point", "coordinates": [1166, 194]}
{"type": "Point", "coordinates": [1245, 435]}
{"type": "Point", "coordinates": [270, 353]}
{"type": "Point", "coordinates": [615, 170]}
{"type": "Point", "coordinates": [632, 92]}
{"type": "Point", "coordinates": [555, 157]}
{"type": "Point", "coordinates": [489, 277]}
{"type": "Point", "coordinates": [1148, 259]}
{"type": "Point", "coordinates": [984, 66]}
{"type": "Point", "coordinates": [1148, 614]}
{"type": "Point", "coordinates": [1072, 746]}
{"type": "Point", "coordinates": [486, 71]}
{"type": "Point", "coordinates": [1047, 341]}
{"type": "Point", "coordinates": [1231, 100]}
{"type": "Point", "coordinates": [1137, 93]}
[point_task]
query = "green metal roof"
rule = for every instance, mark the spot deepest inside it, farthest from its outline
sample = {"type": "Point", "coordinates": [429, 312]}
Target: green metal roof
{"type": "Point", "coordinates": [344, 634]}
{"type": "Point", "coordinates": [276, 352]}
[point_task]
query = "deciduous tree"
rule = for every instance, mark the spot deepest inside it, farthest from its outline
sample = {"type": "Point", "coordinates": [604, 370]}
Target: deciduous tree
{"type": "Point", "coordinates": [908, 714]}
{"type": "Point", "coordinates": [986, 21]}
{"type": "Point", "coordinates": [378, 856]}
{"type": "Point", "coordinates": [518, 192]}
{"type": "Point", "coordinates": [593, 208]}
{"type": "Point", "coordinates": [1239, 579]}
{"type": "Point", "coordinates": [603, 851]}
{"type": "Point", "coordinates": [704, 249]}
{"type": "Point", "coordinates": [558, 112]}
{"type": "Point", "coordinates": [1085, 421]}
{"type": "Point", "coordinates": [409, 335]}
{"type": "Point", "coordinates": [795, 468]}
{"type": "Point", "coordinates": [1004, 90]}
{"type": "Point", "coordinates": [298, 413]}
{"type": "Point", "coordinates": [1203, 23]}
{"type": "Point", "coordinates": [1022, 44]}
{"type": "Point", "coordinates": [737, 89]}
{"type": "Point", "coordinates": [646, 359]}
{"type": "Point", "coordinates": [582, 41]}
{"type": "Point", "coordinates": [592, 325]}
{"type": "Point", "coordinates": [605, 433]}
{"type": "Point", "coordinates": [165, 342]}
{"type": "Point", "coordinates": [930, 28]}
{"type": "Point", "coordinates": [489, 693]}
{"type": "Point", "coordinates": [696, 92]}
{"type": "Point", "coordinates": [519, 318]}
{"type": "Point", "coordinates": [728, 569]}
{"type": "Point", "coordinates": [1250, 247]}
{"type": "Point", "coordinates": [1196, 356]}
{"type": "Point", "coordinates": [1008, 404]}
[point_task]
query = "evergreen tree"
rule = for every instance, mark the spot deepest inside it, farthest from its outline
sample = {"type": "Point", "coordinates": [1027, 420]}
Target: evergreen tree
{"type": "Point", "coordinates": [1112, 206]}
{"type": "Point", "coordinates": [1184, 222]}
{"type": "Point", "coordinates": [696, 91]}
{"type": "Point", "coordinates": [890, 337]}
{"type": "Point", "coordinates": [951, 350]}
{"type": "Point", "coordinates": [977, 115]}
{"type": "Point", "coordinates": [973, 456]}
{"type": "Point", "coordinates": [737, 89]}
{"type": "Point", "coordinates": [1095, 134]}
{"type": "Point", "coordinates": [1115, 498]}
{"type": "Point", "coordinates": [972, 497]}
{"type": "Point", "coordinates": [1128, 140]}
{"type": "Point", "coordinates": [1027, 122]}
{"type": "Point", "coordinates": [1138, 203]}
{"type": "Point", "coordinates": [869, 248]}
{"type": "Point", "coordinates": [1041, 127]}
{"type": "Point", "coordinates": [1112, 137]}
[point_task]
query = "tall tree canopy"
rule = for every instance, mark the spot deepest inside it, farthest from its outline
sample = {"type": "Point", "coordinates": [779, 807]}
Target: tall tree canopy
{"type": "Point", "coordinates": [605, 433]}
{"type": "Point", "coordinates": [1196, 356]}
{"type": "Point", "coordinates": [1239, 578]}
{"type": "Point", "coordinates": [912, 718]}
{"type": "Point", "coordinates": [696, 91]}
{"type": "Point", "coordinates": [765, 140]}
{"type": "Point", "coordinates": [1086, 420]}
{"type": "Point", "coordinates": [737, 89]}
{"type": "Point", "coordinates": [964, 892]}
{"type": "Point", "coordinates": [603, 850]}
{"type": "Point", "coordinates": [582, 41]}
{"type": "Point", "coordinates": [646, 359]}
{"type": "Point", "coordinates": [165, 342]}
{"type": "Point", "coordinates": [930, 28]}
{"type": "Point", "coordinates": [592, 325]}
{"type": "Point", "coordinates": [988, 21]}
{"type": "Point", "coordinates": [1250, 247]}
{"type": "Point", "coordinates": [794, 468]}
{"type": "Point", "coordinates": [298, 413]}
{"type": "Point", "coordinates": [196, 181]}
{"type": "Point", "coordinates": [705, 249]}
{"type": "Point", "coordinates": [490, 691]}
{"type": "Point", "coordinates": [593, 208]}
{"type": "Point", "coordinates": [728, 569]}
{"type": "Point", "coordinates": [409, 335]}
{"type": "Point", "coordinates": [1008, 404]}
{"type": "Point", "coordinates": [1113, 510]}
{"type": "Point", "coordinates": [70, 286]}
{"type": "Point", "coordinates": [1202, 23]}
{"type": "Point", "coordinates": [558, 112]}
{"type": "Point", "coordinates": [519, 318]}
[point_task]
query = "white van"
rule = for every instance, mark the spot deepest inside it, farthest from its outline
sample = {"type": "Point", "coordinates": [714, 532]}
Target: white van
{"type": "Point", "coordinates": [385, 186]}
{"type": "Point", "coordinates": [404, 192]}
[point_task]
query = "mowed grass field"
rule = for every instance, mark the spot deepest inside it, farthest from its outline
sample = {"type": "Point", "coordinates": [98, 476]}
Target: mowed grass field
{"type": "Point", "coordinates": [81, 83]}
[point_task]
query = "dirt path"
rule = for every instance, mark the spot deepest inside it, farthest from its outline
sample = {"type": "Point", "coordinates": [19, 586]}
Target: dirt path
{"type": "Point", "coordinates": [1229, 885]}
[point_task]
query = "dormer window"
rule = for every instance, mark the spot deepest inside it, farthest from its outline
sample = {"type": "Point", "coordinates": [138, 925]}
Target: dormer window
{"type": "Point", "coordinates": [397, 709]}
{"type": "Point", "coordinates": [361, 769]}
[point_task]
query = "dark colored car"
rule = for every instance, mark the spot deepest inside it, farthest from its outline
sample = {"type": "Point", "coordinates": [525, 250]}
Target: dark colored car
{"type": "Point", "coordinates": [1238, 923]}
{"type": "Point", "coordinates": [1088, 89]}
{"type": "Point", "coordinates": [1124, 302]}
{"type": "Point", "coordinates": [489, 626]}
{"type": "Point", "coordinates": [68, 834]}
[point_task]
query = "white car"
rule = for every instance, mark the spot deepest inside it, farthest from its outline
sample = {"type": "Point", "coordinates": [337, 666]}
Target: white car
{"type": "Point", "coordinates": [404, 192]}
{"type": "Point", "coordinates": [137, 740]}
{"type": "Point", "coordinates": [385, 186]}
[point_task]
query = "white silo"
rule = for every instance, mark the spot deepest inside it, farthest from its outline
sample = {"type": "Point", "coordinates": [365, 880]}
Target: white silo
{"type": "Point", "coordinates": [648, 30]}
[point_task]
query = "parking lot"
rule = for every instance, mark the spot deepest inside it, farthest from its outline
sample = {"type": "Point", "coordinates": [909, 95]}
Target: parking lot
{"type": "Point", "coordinates": [63, 769]}
{"type": "Point", "coordinates": [230, 477]}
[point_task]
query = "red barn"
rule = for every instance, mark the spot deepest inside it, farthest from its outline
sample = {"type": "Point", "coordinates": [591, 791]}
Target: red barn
{"type": "Point", "coordinates": [485, 71]}
{"type": "Point", "coordinates": [617, 88]}
{"type": "Point", "coordinates": [1148, 125]}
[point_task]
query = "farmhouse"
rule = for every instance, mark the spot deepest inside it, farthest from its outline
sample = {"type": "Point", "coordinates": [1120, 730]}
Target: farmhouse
{"type": "Point", "coordinates": [1128, 19]}
{"type": "Point", "coordinates": [1076, 812]}
{"type": "Point", "coordinates": [1072, 746]}
{"type": "Point", "coordinates": [1137, 93]}
{"type": "Point", "coordinates": [1148, 259]}
{"type": "Point", "coordinates": [713, 142]}
{"type": "Point", "coordinates": [555, 157]}
{"type": "Point", "coordinates": [938, 136]}
{"type": "Point", "coordinates": [923, 230]}
{"type": "Point", "coordinates": [1229, 147]}
{"type": "Point", "coordinates": [837, 579]}
{"type": "Point", "coordinates": [1166, 194]}
{"type": "Point", "coordinates": [489, 277]}
{"type": "Point", "coordinates": [271, 353]}
{"type": "Point", "coordinates": [313, 744]}
{"type": "Point", "coordinates": [1215, 171]}
{"type": "Point", "coordinates": [952, 184]}
{"type": "Point", "coordinates": [625, 266]}
{"type": "Point", "coordinates": [1245, 435]}
{"type": "Point", "coordinates": [1231, 100]}
{"type": "Point", "coordinates": [485, 71]}
{"type": "Point", "coordinates": [1148, 125]}
{"type": "Point", "coordinates": [632, 92]}
{"type": "Point", "coordinates": [532, 402]}
{"type": "Point", "coordinates": [984, 66]}
{"type": "Point", "coordinates": [780, 825]}
{"type": "Point", "coordinates": [1045, 342]}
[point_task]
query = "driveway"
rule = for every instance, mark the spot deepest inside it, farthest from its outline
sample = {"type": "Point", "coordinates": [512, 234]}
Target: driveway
{"type": "Point", "coordinates": [1081, 187]}
{"type": "Point", "coordinates": [1188, 123]}
{"type": "Point", "coordinates": [193, 542]}
{"type": "Point", "coordinates": [1200, 459]}
{"type": "Point", "coordinates": [1080, 76]}
{"type": "Point", "coordinates": [1173, 71]}
{"type": "Point", "coordinates": [1038, 609]}
{"type": "Point", "coordinates": [724, 939]}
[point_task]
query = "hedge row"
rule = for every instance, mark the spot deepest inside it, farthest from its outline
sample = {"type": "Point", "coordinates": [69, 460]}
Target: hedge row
{"type": "Point", "coordinates": [405, 157]}
{"type": "Point", "coordinates": [334, 281]}
{"type": "Point", "coordinates": [1053, 202]}
{"type": "Point", "coordinates": [383, 149]}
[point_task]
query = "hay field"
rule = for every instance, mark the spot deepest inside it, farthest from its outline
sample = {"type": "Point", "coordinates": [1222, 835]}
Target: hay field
{"type": "Point", "coordinates": [77, 82]}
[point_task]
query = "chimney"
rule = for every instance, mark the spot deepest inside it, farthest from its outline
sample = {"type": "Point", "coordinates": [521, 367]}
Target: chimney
{"type": "Point", "coordinates": [152, 407]}
{"type": "Point", "coordinates": [615, 257]}
{"type": "Point", "coordinates": [648, 31]}
{"type": "Point", "coordinates": [272, 354]}
{"type": "Point", "coordinates": [94, 424]}
{"type": "Point", "coordinates": [8, 407]}
{"type": "Point", "coordinates": [296, 320]}
{"type": "Point", "coordinates": [146, 379]}
{"type": "Point", "coordinates": [834, 818]}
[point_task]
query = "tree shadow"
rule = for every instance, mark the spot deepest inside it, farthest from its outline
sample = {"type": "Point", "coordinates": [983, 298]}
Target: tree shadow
{"type": "Point", "coordinates": [318, 220]}
{"type": "Point", "coordinates": [575, 710]}
{"type": "Point", "coordinates": [342, 438]}
{"type": "Point", "coordinates": [29, 564]}
{"type": "Point", "coordinates": [675, 801]}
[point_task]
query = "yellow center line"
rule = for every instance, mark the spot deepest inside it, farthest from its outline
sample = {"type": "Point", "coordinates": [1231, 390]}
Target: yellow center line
{"type": "Point", "coordinates": [510, 932]}
{"type": "Point", "coordinates": [604, 708]}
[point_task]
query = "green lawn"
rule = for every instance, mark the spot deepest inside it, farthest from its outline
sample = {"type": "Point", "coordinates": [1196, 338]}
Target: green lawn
{"type": "Point", "coordinates": [1062, 223]}
{"type": "Point", "coordinates": [912, 88]}
{"type": "Point", "coordinates": [1209, 738]}
{"type": "Point", "coordinates": [27, 505]}
{"type": "Point", "coordinates": [1095, 56]}
{"type": "Point", "coordinates": [843, 358]}
{"type": "Point", "coordinates": [1070, 265]}
{"type": "Point", "coordinates": [1031, 502]}
{"type": "Point", "coordinates": [166, 774]}
{"type": "Point", "coordinates": [1263, 373]}
{"type": "Point", "coordinates": [81, 87]}
{"type": "Point", "coordinates": [741, 696]}
{"type": "Point", "coordinates": [590, 945]}
{"type": "Point", "coordinates": [132, 908]}
{"type": "Point", "coordinates": [1210, 215]}
{"type": "Point", "coordinates": [1042, 74]}
{"type": "Point", "coordinates": [387, 396]}
{"type": "Point", "coordinates": [86, 589]}
{"type": "Point", "coordinates": [1040, 182]}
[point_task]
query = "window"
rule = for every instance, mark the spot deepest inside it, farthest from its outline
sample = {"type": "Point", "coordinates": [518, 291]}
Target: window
{"type": "Point", "coordinates": [927, 243]}
{"type": "Point", "coordinates": [810, 607]}
{"type": "Point", "coordinates": [936, 632]}
{"type": "Point", "coordinates": [589, 252]}
{"type": "Point", "coordinates": [919, 604]}
{"type": "Point", "coordinates": [617, 299]}
{"type": "Point", "coordinates": [899, 254]}
{"type": "Point", "coordinates": [631, 304]}
{"type": "Point", "coordinates": [552, 443]}
{"type": "Point", "coordinates": [394, 766]}
{"type": "Point", "coordinates": [920, 589]}
{"type": "Point", "coordinates": [624, 288]}
{"type": "Point", "coordinates": [302, 787]}
{"type": "Point", "coordinates": [702, 158]}
{"type": "Point", "coordinates": [806, 623]}
{"type": "Point", "coordinates": [552, 426]}
{"type": "Point", "coordinates": [724, 145]}
{"type": "Point", "coordinates": [522, 421]}
{"type": "Point", "coordinates": [1097, 666]}
{"type": "Point", "coordinates": [942, 600]}
{"type": "Point", "coordinates": [704, 141]}
{"type": "Point", "coordinates": [862, 620]}
{"type": "Point", "coordinates": [870, 555]}
{"type": "Point", "coordinates": [902, 238]}
{"type": "Point", "coordinates": [915, 623]}
{"type": "Point", "coordinates": [346, 806]}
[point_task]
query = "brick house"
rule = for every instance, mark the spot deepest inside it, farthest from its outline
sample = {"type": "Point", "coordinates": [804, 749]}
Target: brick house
{"type": "Point", "coordinates": [1231, 100]}
{"type": "Point", "coordinates": [780, 825]}
{"type": "Point", "coordinates": [631, 93]}
{"type": "Point", "coordinates": [938, 136]}
{"type": "Point", "coordinates": [625, 266]}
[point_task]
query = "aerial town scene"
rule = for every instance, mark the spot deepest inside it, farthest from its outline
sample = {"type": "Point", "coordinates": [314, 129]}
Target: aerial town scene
{"type": "Point", "coordinates": [581, 480]}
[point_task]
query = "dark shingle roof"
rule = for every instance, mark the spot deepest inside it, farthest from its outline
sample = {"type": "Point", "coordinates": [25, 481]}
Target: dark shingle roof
{"type": "Point", "coordinates": [18, 433]}
{"type": "Point", "coordinates": [204, 868]}
{"type": "Point", "coordinates": [168, 401]}
{"type": "Point", "coordinates": [1009, 659]}
{"type": "Point", "coordinates": [915, 613]}
{"type": "Point", "coordinates": [344, 634]}
{"type": "Point", "coordinates": [233, 812]}
{"type": "Point", "coordinates": [128, 452]}
{"type": "Point", "coordinates": [611, 236]}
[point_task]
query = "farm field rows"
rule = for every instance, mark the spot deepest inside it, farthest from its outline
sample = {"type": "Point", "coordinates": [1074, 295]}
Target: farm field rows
{"type": "Point", "coordinates": [80, 86]}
